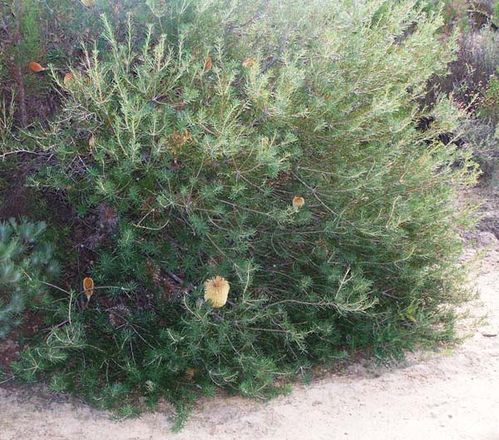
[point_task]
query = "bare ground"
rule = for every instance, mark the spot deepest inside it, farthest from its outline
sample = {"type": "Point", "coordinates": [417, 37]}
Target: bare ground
{"type": "Point", "coordinates": [452, 394]}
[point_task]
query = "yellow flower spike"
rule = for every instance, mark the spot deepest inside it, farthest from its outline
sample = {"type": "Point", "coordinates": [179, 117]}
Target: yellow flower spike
{"type": "Point", "coordinates": [88, 287]}
{"type": "Point", "coordinates": [298, 202]}
{"type": "Point", "coordinates": [216, 291]}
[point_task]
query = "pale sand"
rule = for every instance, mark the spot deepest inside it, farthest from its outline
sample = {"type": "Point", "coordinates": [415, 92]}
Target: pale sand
{"type": "Point", "coordinates": [453, 394]}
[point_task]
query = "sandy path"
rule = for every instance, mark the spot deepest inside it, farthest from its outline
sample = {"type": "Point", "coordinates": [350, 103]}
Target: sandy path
{"type": "Point", "coordinates": [451, 395]}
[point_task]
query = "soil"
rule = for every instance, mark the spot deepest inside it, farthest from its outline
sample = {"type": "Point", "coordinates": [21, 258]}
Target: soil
{"type": "Point", "coordinates": [450, 394]}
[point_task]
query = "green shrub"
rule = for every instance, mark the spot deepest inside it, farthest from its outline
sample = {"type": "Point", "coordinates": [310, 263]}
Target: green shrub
{"type": "Point", "coordinates": [490, 105]}
{"type": "Point", "coordinates": [188, 149]}
{"type": "Point", "coordinates": [26, 262]}
{"type": "Point", "coordinates": [485, 133]}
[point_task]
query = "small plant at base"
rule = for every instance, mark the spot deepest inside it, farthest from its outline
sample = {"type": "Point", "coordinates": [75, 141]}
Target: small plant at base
{"type": "Point", "coordinates": [25, 262]}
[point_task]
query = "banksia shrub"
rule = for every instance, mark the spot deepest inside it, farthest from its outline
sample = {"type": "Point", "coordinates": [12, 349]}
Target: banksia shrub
{"type": "Point", "coordinates": [26, 263]}
{"type": "Point", "coordinates": [271, 146]}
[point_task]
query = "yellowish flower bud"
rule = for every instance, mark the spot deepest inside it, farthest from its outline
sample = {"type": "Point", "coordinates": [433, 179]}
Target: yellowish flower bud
{"type": "Point", "coordinates": [298, 202]}
{"type": "Point", "coordinates": [68, 78]}
{"type": "Point", "coordinates": [248, 63]}
{"type": "Point", "coordinates": [88, 287]}
{"type": "Point", "coordinates": [91, 141]}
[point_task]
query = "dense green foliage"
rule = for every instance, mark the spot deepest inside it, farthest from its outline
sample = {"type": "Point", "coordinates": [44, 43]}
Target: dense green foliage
{"type": "Point", "coordinates": [181, 149]}
{"type": "Point", "coordinates": [26, 262]}
{"type": "Point", "coordinates": [490, 107]}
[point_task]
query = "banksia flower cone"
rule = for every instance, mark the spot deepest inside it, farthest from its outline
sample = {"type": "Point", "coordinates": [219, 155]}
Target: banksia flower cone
{"type": "Point", "coordinates": [298, 202]}
{"type": "Point", "coordinates": [216, 291]}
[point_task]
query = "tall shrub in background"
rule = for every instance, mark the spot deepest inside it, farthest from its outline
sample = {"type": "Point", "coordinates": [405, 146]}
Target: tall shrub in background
{"type": "Point", "coordinates": [49, 31]}
{"type": "Point", "coordinates": [472, 78]}
{"type": "Point", "coordinates": [273, 144]}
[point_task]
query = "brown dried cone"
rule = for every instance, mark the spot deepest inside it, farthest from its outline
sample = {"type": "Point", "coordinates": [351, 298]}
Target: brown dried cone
{"type": "Point", "coordinates": [216, 291]}
{"type": "Point", "coordinates": [88, 287]}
